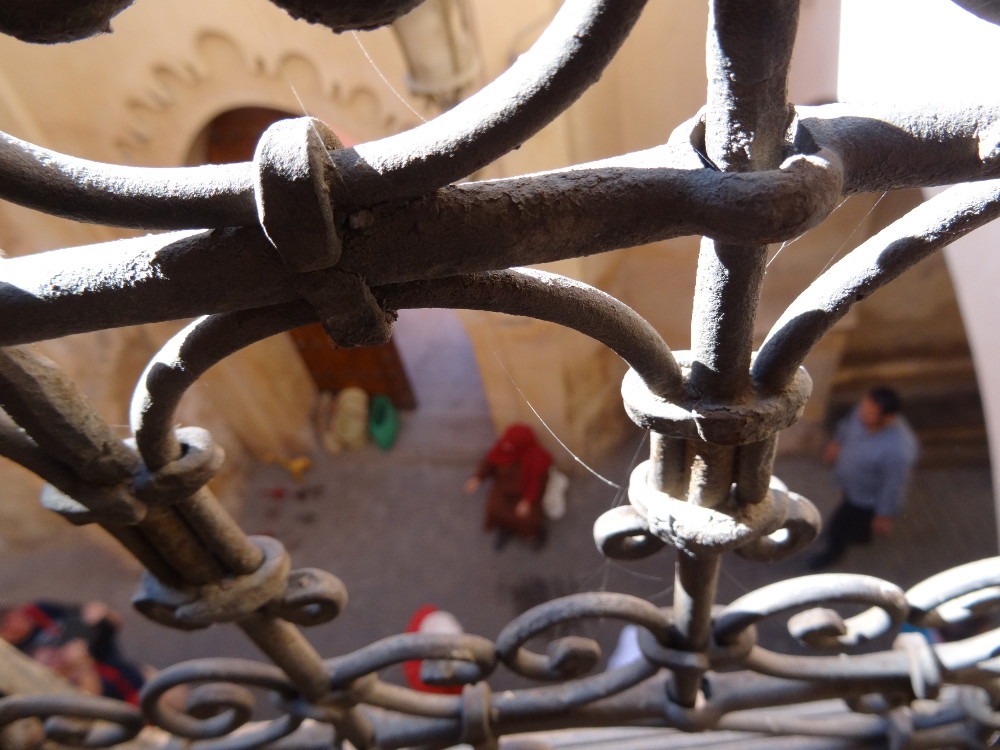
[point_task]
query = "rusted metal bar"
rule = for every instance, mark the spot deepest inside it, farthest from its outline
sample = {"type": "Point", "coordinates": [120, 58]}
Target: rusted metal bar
{"type": "Point", "coordinates": [567, 58]}
{"type": "Point", "coordinates": [557, 299]}
{"type": "Point", "coordinates": [695, 582]}
{"type": "Point", "coordinates": [176, 542]}
{"type": "Point", "coordinates": [186, 357]}
{"type": "Point", "coordinates": [745, 122]}
{"type": "Point", "coordinates": [905, 150]}
{"type": "Point", "coordinates": [753, 469]}
{"type": "Point", "coordinates": [669, 468]}
{"type": "Point", "coordinates": [58, 419]}
{"type": "Point", "coordinates": [62, 423]}
{"type": "Point", "coordinates": [924, 230]}
{"type": "Point", "coordinates": [711, 469]}
{"type": "Point", "coordinates": [515, 222]}
{"type": "Point", "coordinates": [220, 532]}
{"type": "Point", "coordinates": [209, 196]}
{"type": "Point", "coordinates": [581, 40]}
{"type": "Point", "coordinates": [917, 149]}
{"type": "Point", "coordinates": [47, 404]}
{"type": "Point", "coordinates": [139, 546]}
{"type": "Point", "coordinates": [291, 652]}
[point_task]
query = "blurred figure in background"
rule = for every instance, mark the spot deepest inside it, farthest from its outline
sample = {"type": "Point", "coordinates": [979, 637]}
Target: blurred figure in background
{"type": "Point", "coordinates": [77, 642]}
{"type": "Point", "coordinates": [519, 468]}
{"type": "Point", "coordinates": [873, 452]}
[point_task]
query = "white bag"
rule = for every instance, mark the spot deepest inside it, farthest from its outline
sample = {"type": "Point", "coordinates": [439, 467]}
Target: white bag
{"type": "Point", "coordinates": [554, 499]}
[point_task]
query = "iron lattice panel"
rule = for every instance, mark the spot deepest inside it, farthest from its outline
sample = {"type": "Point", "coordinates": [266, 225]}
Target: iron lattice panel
{"type": "Point", "coordinates": [331, 234]}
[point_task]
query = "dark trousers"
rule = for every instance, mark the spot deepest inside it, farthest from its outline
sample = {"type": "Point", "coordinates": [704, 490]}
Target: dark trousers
{"type": "Point", "coordinates": [848, 525]}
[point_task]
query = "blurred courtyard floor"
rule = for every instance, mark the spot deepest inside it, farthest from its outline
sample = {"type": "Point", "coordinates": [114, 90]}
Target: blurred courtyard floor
{"type": "Point", "coordinates": [397, 528]}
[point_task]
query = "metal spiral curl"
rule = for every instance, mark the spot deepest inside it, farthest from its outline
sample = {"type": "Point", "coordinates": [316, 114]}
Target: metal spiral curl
{"type": "Point", "coordinates": [116, 722]}
{"type": "Point", "coordinates": [568, 658]}
{"type": "Point", "coordinates": [221, 707]}
{"type": "Point", "coordinates": [622, 533]}
{"type": "Point", "coordinates": [688, 199]}
{"type": "Point", "coordinates": [477, 652]}
{"type": "Point", "coordinates": [312, 597]}
{"type": "Point", "coordinates": [943, 598]}
{"type": "Point", "coordinates": [821, 631]}
{"type": "Point", "coordinates": [798, 530]}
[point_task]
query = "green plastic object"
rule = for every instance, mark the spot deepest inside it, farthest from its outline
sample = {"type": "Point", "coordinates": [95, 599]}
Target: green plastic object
{"type": "Point", "coordinates": [383, 421]}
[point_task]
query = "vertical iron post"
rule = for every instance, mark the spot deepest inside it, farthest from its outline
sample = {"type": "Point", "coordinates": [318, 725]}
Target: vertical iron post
{"type": "Point", "coordinates": [748, 55]}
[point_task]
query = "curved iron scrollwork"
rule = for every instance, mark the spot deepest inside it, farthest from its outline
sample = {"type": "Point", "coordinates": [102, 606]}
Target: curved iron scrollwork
{"type": "Point", "coordinates": [116, 722]}
{"type": "Point", "coordinates": [319, 230]}
{"type": "Point", "coordinates": [220, 703]}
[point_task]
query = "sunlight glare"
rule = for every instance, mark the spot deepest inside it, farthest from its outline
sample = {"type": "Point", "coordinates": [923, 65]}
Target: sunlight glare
{"type": "Point", "coordinates": [920, 50]}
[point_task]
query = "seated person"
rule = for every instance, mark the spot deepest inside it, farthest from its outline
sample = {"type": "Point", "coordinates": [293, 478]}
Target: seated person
{"type": "Point", "coordinates": [78, 642]}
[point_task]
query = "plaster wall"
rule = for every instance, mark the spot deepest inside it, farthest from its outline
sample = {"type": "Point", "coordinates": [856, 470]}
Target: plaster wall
{"type": "Point", "coordinates": [141, 95]}
{"type": "Point", "coordinates": [975, 267]}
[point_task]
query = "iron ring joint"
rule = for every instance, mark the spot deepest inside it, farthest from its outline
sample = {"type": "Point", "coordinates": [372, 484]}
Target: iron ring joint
{"type": "Point", "coordinates": [622, 533]}
{"type": "Point", "coordinates": [699, 530]}
{"type": "Point", "coordinates": [200, 460]}
{"type": "Point", "coordinates": [477, 715]}
{"type": "Point", "coordinates": [295, 210]}
{"type": "Point", "coordinates": [720, 424]}
{"type": "Point", "coordinates": [801, 525]}
{"type": "Point", "coordinates": [227, 600]}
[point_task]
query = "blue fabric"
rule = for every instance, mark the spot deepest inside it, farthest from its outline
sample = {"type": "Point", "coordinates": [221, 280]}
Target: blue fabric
{"type": "Point", "coordinates": [872, 468]}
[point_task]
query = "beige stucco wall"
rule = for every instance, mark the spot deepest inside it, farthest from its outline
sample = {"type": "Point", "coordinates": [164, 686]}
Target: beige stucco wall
{"type": "Point", "coordinates": [975, 266]}
{"type": "Point", "coordinates": [141, 96]}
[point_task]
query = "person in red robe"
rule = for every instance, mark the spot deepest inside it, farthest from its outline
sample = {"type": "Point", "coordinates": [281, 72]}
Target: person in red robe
{"type": "Point", "coordinates": [519, 468]}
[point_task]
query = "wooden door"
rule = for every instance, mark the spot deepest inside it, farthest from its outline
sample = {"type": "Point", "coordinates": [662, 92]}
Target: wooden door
{"type": "Point", "coordinates": [232, 137]}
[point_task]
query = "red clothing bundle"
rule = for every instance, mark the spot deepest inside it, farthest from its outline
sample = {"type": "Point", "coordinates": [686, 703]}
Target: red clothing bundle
{"type": "Point", "coordinates": [519, 468]}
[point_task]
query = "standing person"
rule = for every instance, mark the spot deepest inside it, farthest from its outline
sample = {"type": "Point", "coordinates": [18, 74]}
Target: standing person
{"type": "Point", "coordinates": [519, 468]}
{"type": "Point", "coordinates": [872, 453]}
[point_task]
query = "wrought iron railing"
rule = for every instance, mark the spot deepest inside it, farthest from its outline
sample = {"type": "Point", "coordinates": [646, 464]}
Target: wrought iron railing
{"type": "Point", "coordinates": [347, 236]}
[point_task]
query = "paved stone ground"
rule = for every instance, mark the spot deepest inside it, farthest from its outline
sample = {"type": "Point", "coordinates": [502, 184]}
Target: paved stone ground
{"type": "Point", "coordinates": [397, 528]}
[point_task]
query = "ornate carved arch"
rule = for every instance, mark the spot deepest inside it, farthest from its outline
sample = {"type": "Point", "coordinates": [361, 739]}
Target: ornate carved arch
{"type": "Point", "coordinates": [227, 72]}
